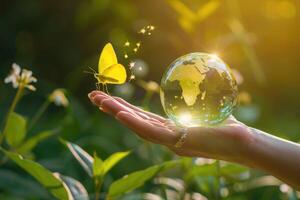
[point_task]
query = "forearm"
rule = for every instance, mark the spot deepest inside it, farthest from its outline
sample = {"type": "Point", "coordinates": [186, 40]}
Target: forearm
{"type": "Point", "coordinates": [277, 156]}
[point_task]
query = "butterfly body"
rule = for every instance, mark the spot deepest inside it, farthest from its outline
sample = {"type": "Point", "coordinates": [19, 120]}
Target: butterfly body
{"type": "Point", "coordinates": [104, 80]}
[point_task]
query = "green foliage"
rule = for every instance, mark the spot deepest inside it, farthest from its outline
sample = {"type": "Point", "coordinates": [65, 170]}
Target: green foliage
{"type": "Point", "coordinates": [20, 186]}
{"type": "Point", "coordinates": [137, 179]}
{"type": "Point", "coordinates": [97, 166]}
{"type": "Point", "coordinates": [60, 45]}
{"type": "Point", "coordinates": [75, 189]}
{"type": "Point", "coordinates": [85, 160]}
{"type": "Point", "coordinates": [210, 170]}
{"type": "Point", "coordinates": [109, 163]}
{"type": "Point", "coordinates": [41, 174]}
{"type": "Point", "coordinates": [29, 144]}
{"type": "Point", "coordinates": [15, 129]}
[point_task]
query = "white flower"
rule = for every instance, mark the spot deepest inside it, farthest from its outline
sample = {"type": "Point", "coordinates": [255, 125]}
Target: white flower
{"type": "Point", "coordinates": [22, 78]}
{"type": "Point", "coordinates": [27, 79]}
{"type": "Point", "coordinates": [59, 98]}
{"type": "Point", "coordinates": [14, 75]}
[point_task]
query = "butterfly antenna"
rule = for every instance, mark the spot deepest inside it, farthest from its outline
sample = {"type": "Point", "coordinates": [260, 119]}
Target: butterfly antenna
{"type": "Point", "coordinates": [93, 70]}
{"type": "Point", "coordinates": [88, 72]}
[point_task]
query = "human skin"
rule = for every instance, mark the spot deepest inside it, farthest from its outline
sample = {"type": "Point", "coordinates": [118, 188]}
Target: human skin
{"type": "Point", "coordinates": [231, 141]}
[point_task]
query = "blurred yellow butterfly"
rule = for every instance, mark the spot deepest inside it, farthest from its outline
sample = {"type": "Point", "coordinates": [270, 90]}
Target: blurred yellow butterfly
{"type": "Point", "coordinates": [109, 70]}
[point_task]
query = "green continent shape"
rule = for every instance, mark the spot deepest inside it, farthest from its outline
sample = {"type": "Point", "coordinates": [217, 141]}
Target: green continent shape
{"type": "Point", "coordinates": [189, 78]}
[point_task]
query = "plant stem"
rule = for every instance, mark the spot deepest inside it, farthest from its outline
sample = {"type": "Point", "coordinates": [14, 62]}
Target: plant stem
{"type": "Point", "coordinates": [163, 192]}
{"type": "Point", "coordinates": [218, 177]}
{"type": "Point", "coordinates": [38, 114]}
{"type": "Point", "coordinates": [98, 184]}
{"type": "Point", "coordinates": [11, 110]}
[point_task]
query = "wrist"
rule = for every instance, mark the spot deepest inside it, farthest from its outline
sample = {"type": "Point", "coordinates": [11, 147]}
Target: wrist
{"type": "Point", "coordinates": [258, 149]}
{"type": "Point", "coordinates": [248, 144]}
{"type": "Point", "coordinates": [273, 155]}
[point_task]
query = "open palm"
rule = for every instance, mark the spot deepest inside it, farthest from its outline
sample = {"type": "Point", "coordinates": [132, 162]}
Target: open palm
{"type": "Point", "coordinates": [219, 142]}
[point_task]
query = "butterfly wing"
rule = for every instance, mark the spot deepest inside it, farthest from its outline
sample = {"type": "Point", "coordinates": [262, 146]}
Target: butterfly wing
{"type": "Point", "coordinates": [107, 58]}
{"type": "Point", "coordinates": [114, 74]}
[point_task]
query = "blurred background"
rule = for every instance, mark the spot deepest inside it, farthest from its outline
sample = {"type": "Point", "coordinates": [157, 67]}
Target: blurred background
{"type": "Point", "coordinates": [58, 40]}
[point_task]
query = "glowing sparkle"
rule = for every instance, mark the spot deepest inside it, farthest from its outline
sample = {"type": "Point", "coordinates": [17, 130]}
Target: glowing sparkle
{"type": "Point", "coordinates": [126, 56]}
{"type": "Point", "coordinates": [127, 44]}
{"type": "Point", "coordinates": [185, 118]}
{"type": "Point", "coordinates": [215, 55]}
{"type": "Point", "coordinates": [132, 77]}
{"type": "Point", "coordinates": [138, 44]}
{"type": "Point", "coordinates": [131, 65]}
{"type": "Point", "coordinates": [147, 30]}
{"type": "Point", "coordinates": [151, 27]}
{"type": "Point", "coordinates": [143, 31]}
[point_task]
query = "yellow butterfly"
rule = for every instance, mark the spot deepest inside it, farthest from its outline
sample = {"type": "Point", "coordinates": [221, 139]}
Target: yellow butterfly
{"type": "Point", "coordinates": [109, 70]}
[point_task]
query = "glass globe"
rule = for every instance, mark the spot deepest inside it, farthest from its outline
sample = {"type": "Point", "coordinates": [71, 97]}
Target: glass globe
{"type": "Point", "coordinates": [198, 89]}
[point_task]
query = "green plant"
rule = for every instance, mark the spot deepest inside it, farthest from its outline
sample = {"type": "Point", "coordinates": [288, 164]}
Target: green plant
{"type": "Point", "coordinates": [60, 186]}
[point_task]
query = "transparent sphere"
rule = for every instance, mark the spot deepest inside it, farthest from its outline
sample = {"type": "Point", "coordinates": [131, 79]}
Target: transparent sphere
{"type": "Point", "coordinates": [198, 89]}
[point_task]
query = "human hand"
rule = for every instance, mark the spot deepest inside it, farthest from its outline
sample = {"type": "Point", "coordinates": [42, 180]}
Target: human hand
{"type": "Point", "coordinates": [227, 141]}
{"type": "Point", "coordinates": [231, 140]}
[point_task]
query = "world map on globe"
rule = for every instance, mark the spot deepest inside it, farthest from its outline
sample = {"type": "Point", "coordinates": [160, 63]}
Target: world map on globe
{"type": "Point", "coordinates": [200, 87]}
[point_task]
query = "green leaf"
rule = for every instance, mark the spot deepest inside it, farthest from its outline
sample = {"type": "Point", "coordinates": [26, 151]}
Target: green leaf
{"type": "Point", "coordinates": [137, 179]}
{"type": "Point", "coordinates": [202, 170]}
{"type": "Point", "coordinates": [21, 186]}
{"type": "Point", "coordinates": [41, 174]}
{"type": "Point", "coordinates": [233, 169]}
{"type": "Point", "coordinates": [100, 168]}
{"type": "Point", "coordinates": [226, 170]}
{"type": "Point", "coordinates": [113, 160]}
{"type": "Point", "coordinates": [15, 129]}
{"type": "Point", "coordinates": [30, 143]}
{"type": "Point", "coordinates": [75, 188]}
{"type": "Point", "coordinates": [85, 160]}
{"type": "Point", "coordinates": [97, 166]}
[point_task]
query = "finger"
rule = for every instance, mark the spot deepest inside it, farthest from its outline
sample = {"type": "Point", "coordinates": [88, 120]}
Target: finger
{"type": "Point", "coordinates": [94, 93]}
{"type": "Point", "coordinates": [111, 106]}
{"type": "Point", "coordinates": [151, 120]}
{"type": "Point", "coordinates": [98, 99]}
{"type": "Point", "coordinates": [146, 130]}
{"type": "Point", "coordinates": [151, 115]}
{"type": "Point", "coordinates": [156, 123]}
